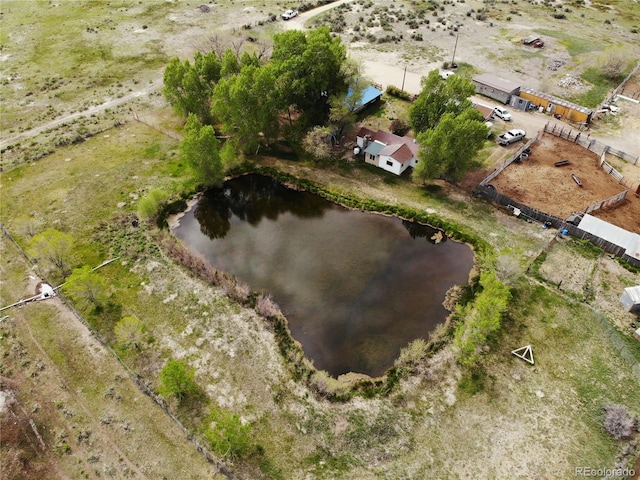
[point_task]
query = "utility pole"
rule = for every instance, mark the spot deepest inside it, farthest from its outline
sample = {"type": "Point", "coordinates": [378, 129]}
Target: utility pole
{"type": "Point", "coordinates": [403, 77]}
{"type": "Point", "coordinates": [453, 64]}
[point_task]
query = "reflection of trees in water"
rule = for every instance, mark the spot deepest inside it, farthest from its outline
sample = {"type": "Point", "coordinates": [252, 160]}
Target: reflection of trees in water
{"type": "Point", "coordinates": [252, 198]}
{"type": "Point", "coordinates": [422, 231]}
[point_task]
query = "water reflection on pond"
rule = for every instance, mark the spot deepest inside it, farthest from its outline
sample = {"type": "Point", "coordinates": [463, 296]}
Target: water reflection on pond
{"type": "Point", "coordinates": [355, 287]}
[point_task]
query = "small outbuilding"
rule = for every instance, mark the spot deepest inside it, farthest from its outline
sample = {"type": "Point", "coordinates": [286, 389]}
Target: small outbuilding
{"type": "Point", "coordinates": [370, 95]}
{"type": "Point", "coordinates": [627, 241]}
{"type": "Point", "coordinates": [630, 299]}
{"type": "Point", "coordinates": [533, 41]}
{"type": "Point", "coordinates": [497, 88]}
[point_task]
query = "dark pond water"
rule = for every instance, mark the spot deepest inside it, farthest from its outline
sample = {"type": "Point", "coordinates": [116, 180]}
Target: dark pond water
{"type": "Point", "coordinates": [355, 287]}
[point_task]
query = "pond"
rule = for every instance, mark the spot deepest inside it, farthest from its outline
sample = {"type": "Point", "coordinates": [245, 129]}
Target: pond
{"type": "Point", "coordinates": [356, 287]}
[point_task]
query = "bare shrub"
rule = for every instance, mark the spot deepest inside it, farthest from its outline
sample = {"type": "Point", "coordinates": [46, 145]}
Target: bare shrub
{"type": "Point", "coordinates": [509, 269]}
{"type": "Point", "coordinates": [323, 384]}
{"type": "Point", "coordinates": [235, 289]}
{"type": "Point", "coordinates": [195, 263]}
{"type": "Point", "coordinates": [399, 127]}
{"type": "Point", "coordinates": [618, 422]}
{"type": "Point", "coordinates": [266, 307]}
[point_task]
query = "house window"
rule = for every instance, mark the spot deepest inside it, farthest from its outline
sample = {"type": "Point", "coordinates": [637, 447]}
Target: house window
{"type": "Point", "coordinates": [390, 163]}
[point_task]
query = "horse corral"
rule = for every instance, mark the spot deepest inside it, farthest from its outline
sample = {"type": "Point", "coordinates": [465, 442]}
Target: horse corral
{"type": "Point", "coordinates": [539, 183]}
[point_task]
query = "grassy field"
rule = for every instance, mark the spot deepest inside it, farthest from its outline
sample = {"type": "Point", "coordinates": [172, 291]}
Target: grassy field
{"type": "Point", "coordinates": [501, 419]}
{"type": "Point", "coordinates": [442, 419]}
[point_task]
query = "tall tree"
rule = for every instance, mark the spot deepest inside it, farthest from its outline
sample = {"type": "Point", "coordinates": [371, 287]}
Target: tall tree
{"type": "Point", "coordinates": [177, 379]}
{"type": "Point", "coordinates": [481, 319]}
{"type": "Point", "coordinates": [247, 105]}
{"type": "Point", "coordinates": [129, 332]}
{"type": "Point", "coordinates": [230, 65]}
{"type": "Point", "coordinates": [344, 107]}
{"type": "Point", "coordinates": [54, 247]}
{"type": "Point", "coordinates": [439, 96]}
{"type": "Point", "coordinates": [227, 434]}
{"type": "Point", "coordinates": [188, 88]}
{"type": "Point", "coordinates": [309, 71]}
{"type": "Point", "coordinates": [201, 149]}
{"type": "Point", "coordinates": [87, 288]}
{"type": "Point", "coordinates": [447, 151]}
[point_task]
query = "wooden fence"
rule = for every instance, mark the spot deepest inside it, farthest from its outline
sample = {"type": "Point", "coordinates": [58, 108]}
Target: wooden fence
{"type": "Point", "coordinates": [141, 383]}
{"type": "Point", "coordinates": [587, 142]}
{"type": "Point", "coordinates": [509, 161]}
{"type": "Point", "coordinates": [620, 89]}
{"type": "Point", "coordinates": [532, 214]}
{"type": "Point", "coordinates": [607, 202]}
{"type": "Point", "coordinates": [156, 127]}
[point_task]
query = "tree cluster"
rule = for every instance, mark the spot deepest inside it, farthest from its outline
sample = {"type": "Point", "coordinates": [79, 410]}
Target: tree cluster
{"type": "Point", "coordinates": [449, 129]}
{"type": "Point", "coordinates": [245, 97]}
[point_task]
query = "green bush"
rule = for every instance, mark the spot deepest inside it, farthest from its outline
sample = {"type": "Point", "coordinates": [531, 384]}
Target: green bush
{"type": "Point", "coordinates": [149, 205]}
{"type": "Point", "coordinates": [228, 435]}
{"type": "Point", "coordinates": [177, 379]}
{"type": "Point", "coordinates": [398, 93]}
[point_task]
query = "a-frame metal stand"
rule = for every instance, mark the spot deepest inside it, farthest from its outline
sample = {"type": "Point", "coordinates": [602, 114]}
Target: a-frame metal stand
{"type": "Point", "coordinates": [525, 353]}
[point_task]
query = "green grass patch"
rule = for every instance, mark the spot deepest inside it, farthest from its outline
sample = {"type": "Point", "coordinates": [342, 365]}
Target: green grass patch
{"type": "Point", "coordinates": [574, 45]}
{"type": "Point", "coordinates": [594, 97]}
{"type": "Point", "coordinates": [473, 381]}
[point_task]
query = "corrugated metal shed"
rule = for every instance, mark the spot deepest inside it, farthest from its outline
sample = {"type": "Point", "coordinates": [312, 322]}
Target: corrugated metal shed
{"type": "Point", "coordinates": [618, 236]}
{"type": "Point", "coordinates": [498, 83]}
{"type": "Point", "coordinates": [369, 96]}
{"type": "Point", "coordinates": [630, 299]}
{"type": "Point", "coordinates": [565, 108]}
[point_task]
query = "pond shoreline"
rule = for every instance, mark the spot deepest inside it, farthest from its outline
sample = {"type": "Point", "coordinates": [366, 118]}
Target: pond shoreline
{"type": "Point", "coordinates": [355, 381]}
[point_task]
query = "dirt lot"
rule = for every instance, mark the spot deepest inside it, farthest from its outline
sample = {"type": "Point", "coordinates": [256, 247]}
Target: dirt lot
{"type": "Point", "coordinates": [538, 183]}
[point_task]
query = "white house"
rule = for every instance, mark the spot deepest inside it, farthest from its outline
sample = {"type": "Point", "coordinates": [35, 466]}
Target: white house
{"type": "Point", "coordinates": [387, 151]}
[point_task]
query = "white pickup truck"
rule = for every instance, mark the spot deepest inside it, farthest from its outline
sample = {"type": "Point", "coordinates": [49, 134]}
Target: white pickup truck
{"type": "Point", "coordinates": [511, 136]}
{"type": "Point", "coordinates": [289, 14]}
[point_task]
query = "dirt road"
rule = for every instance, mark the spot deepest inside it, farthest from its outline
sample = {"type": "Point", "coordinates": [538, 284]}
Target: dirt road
{"type": "Point", "coordinates": [297, 23]}
{"type": "Point", "coordinates": [152, 87]}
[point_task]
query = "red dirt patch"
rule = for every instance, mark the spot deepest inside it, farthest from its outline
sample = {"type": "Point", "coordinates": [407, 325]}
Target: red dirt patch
{"type": "Point", "coordinates": [536, 182]}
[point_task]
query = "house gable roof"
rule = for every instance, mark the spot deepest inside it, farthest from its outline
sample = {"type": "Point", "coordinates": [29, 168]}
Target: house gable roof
{"type": "Point", "coordinates": [389, 139]}
{"type": "Point", "coordinates": [364, 131]}
{"type": "Point", "coordinates": [399, 152]}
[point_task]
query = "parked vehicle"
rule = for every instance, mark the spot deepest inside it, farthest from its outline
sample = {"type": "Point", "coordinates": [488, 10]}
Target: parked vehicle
{"type": "Point", "coordinates": [511, 136]}
{"type": "Point", "coordinates": [502, 113]}
{"type": "Point", "coordinates": [289, 14]}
